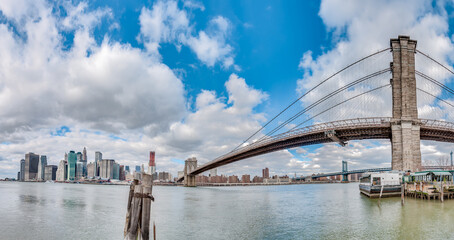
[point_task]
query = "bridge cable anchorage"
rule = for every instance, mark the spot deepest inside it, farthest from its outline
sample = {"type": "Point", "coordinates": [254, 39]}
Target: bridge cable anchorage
{"type": "Point", "coordinates": [372, 90]}
{"type": "Point", "coordinates": [322, 82]}
{"type": "Point", "coordinates": [445, 87]}
{"type": "Point", "coordinates": [360, 80]}
{"type": "Point", "coordinates": [452, 105]}
{"type": "Point", "coordinates": [437, 62]}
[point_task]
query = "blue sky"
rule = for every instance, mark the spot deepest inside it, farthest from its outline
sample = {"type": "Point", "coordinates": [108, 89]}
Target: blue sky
{"type": "Point", "coordinates": [195, 78]}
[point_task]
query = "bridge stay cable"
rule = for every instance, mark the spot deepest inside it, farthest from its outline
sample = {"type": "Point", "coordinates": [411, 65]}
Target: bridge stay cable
{"type": "Point", "coordinates": [321, 100]}
{"type": "Point", "coordinates": [306, 93]}
{"type": "Point", "coordinates": [444, 86]}
{"type": "Point", "coordinates": [437, 62]}
{"type": "Point", "coordinates": [356, 96]}
{"type": "Point", "coordinates": [440, 99]}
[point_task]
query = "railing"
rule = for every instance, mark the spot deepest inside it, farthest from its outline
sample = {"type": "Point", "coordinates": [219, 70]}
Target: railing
{"type": "Point", "coordinates": [437, 124]}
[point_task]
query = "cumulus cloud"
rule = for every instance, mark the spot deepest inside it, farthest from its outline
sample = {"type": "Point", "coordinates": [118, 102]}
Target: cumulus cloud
{"type": "Point", "coordinates": [167, 23]}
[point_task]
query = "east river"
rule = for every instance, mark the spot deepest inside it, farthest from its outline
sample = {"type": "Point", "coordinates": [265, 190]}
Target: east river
{"type": "Point", "coordinates": [312, 211]}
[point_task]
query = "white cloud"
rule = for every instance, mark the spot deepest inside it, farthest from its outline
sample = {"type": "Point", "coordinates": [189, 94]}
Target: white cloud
{"type": "Point", "coordinates": [167, 23]}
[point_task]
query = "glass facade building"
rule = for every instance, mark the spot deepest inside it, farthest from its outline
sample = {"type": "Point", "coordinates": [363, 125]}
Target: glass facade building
{"type": "Point", "coordinates": [72, 160]}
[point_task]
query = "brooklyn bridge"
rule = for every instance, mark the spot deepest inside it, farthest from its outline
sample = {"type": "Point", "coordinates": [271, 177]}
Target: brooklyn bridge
{"type": "Point", "coordinates": [407, 83]}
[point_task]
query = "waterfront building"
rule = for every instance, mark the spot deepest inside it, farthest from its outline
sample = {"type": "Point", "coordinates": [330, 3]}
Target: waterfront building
{"type": "Point", "coordinates": [127, 169]}
{"type": "Point", "coordinates": [84, 161]}
{"type": "Point", "coordinates": [116, 171]}
{"type": "Point", "coordinates": [98, 159]}
{"type": "Point", "coordinates": [62, 171]}
{"type": "Point", "coordinates": [79, 170]}
{"type": "Point", "coordinates": [72, 161]}
{"type": "Point", "coordinates": [257, 179]}
{"type": "Point", "coordinates": [31, 166]}
{"type": "Point", "coordinates": [234, 179]}
{"type": "Point", "coordinates": [22, 170]}
{"type": "Point", "coordinates": [122, 173]}
{"type": "Point", "coordinates": [50, 172]}
{"type": "Point", "coordinates": [164, 176]}
{"type": "Point", "coordinates": [41, 165]}
{"type": "Point", "coordinates": [265, 173]}
{"type": "Point", "coordinates": [106, 168]}
{"type": "Point", "coordinates": [137, 168]}
{"type": "Point", "coordinates": [213, 172]}
{"type": "Point", "coordinates": [246, 178]}
{"type": "Point", "coordinates": [91, 170]}
{"type": "Point", "coordinates": [152, 163]}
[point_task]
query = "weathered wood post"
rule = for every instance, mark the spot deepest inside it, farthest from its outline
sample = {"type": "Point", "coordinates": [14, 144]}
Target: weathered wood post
{"type": "Point", "coordinates": [128, 213]}
{"type": "Point", "coordinates": [402, 190]}
{"type": "Point", "coordinates": [147, 181]}
{"type": "Point", "coordinates": [441, 191]}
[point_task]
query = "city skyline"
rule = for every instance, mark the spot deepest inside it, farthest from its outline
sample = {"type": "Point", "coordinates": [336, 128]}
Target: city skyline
{"type": "Point", "coordinates": [192, 79]}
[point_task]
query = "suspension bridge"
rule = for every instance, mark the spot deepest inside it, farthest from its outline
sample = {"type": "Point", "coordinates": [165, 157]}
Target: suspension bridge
{"type": "Point", "coordinates": [387, 82]}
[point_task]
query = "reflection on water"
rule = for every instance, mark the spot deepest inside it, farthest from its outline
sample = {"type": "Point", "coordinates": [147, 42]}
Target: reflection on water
{"type": "Point", "coordinates": [328, 211]}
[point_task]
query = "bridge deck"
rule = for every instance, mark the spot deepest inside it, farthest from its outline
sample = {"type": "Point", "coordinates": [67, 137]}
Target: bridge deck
{"type": "Point", "coordinates": [346, 130]}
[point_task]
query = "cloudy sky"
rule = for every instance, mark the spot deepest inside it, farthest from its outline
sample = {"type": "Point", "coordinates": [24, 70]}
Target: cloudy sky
{"type": "Point", "coordinates": [192, 78]}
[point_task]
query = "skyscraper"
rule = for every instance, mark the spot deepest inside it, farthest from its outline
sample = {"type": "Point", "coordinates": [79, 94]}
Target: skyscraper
{"type": "Point", "coordinates": [22, 170]}
{"type": "Point", "coordinates": [106, 168]}
{"type": "Point", "coordinates": [50, 172]}
{"type": "Point", "coordinates": [127, 169]}
{"type": "Point", "coordinates": [84, 161]}
{"type": "Point", "coordinates": [41, 165]}
{"type": "Point", "coordinates": [62, 171]}
{"type": "Point", "coordinates": [79, 170]}
{"type": "Point", "coordinates": [265, 173]}
{"type": "Point", "coordinates": [31, 166]}
{"type": "Point", "coordinates": [152, 163]}
{"type": "Point", "coordinates": [98, 159]}
{"type": "Point", "coordinates": [72, 161]}
{"type": "Point", "coordinates": [137, 168]}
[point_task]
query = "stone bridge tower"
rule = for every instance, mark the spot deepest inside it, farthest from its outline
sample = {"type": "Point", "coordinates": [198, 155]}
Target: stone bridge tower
{"type": "Point", "coordinates": [189, 165]}
{"type": "Point", "coordinates": [405, 127]}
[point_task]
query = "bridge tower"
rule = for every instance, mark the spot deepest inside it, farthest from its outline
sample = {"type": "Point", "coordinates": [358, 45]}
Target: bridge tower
{"type": "Point", "coordinates": [189, 165]}
{"type": "Point", "coordinates": [405, 127]}
{"type": "Point", "coordinates": [344, 171]}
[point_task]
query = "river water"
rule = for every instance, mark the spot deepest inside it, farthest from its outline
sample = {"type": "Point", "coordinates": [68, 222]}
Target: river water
{"type": "Point", "coordinates": [313, 211]}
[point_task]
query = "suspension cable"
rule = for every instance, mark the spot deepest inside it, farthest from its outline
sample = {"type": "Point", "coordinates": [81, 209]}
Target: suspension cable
{"type": "Point", "coordinates": [375, 74]}
{"type": "Point", "coordinates": [428, 93]}
{"type": "Point", "coordinates": [316, 86]}
{"type": "Point", "coordinates": [427, 56]}
{"type": "Point", "coordinates": [435, 82]}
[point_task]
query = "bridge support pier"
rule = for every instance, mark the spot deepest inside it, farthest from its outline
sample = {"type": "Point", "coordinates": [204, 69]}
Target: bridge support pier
{"type": "Point", "coordinates": [189, 165]}
{"type": "Point", "coordinates": [405, 127]}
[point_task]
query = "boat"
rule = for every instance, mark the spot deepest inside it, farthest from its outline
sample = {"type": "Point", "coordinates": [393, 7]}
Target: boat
{"type": "Point", "coordinates": [376, 185]}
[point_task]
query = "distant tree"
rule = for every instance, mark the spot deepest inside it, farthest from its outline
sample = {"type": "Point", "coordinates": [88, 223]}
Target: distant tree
{"type": "Point", "coordinates": [443, 161]}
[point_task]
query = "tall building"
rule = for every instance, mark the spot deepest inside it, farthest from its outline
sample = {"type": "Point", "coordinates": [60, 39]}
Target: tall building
{"type": "Point", "coordinates": [116, 171]}
{"type": "Point", "coordinates": [22, 170]}
{"type": "Point", "coordinates": [98, 159]}
{"type": "Point", "coordinates": [72, 161]}
{"type": "Point", "coordinates": [152, 163]}
{"type": "Point", "coordinates": [62, 171]}
{"type": "Point", "coordinates": [265, 173]}
{"type": "Point", "coordinates": [122, 173]}
{"type": "Point", "coordinates": [106, 168]}
{"type": "Point", "coordinates": [66, 157]}
{"type": "Point", "coordinates": [213, 172]}
{"type": "Point", "coordinates": [79, 170]}
{"type": "Point", "coordinates": [246, 178]}
{"type": "Point", "coordinates": [41, 165]}
{"type": "Point", "coordinates": [137, 168]}
{"type": "Point", "coordinates": [84, 161]}
{"type": "Point", "coordinates": [50, 172]}
{"type": "Point", "coordinates": [31, 166]}
{"type": "Point", "coordinates": [91, 170]}
{"type": "Point", "coordinates": [127, 169]}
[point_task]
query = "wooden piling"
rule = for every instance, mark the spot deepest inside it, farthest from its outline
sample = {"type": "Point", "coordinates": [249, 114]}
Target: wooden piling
{"type": "Point", "coordinates": [147, 181]}
{"type": "Point", "coordinates": [128, 213]}
{"type": "Point", "coordinates": [136, 211]}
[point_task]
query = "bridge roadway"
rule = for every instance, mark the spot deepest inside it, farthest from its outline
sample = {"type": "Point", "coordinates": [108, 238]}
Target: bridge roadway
{"type": "Point", "coordinates": [344, 130]}
{"type": "Point", "coordinates": [346, 173]}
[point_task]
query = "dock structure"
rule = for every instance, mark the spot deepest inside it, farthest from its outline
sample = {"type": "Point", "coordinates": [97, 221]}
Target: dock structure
{"type": "Point", "coordinates": [436, 185]}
